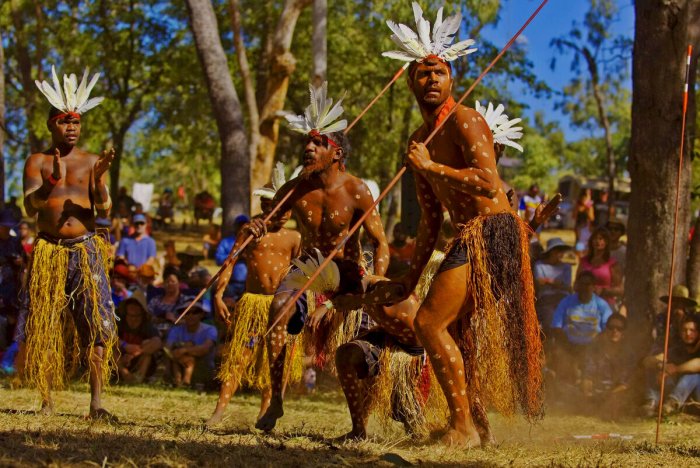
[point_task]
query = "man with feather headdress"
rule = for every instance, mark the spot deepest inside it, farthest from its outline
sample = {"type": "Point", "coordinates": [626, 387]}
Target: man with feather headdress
{"type": "Point", "coordinates": [326, 202]}
{"type": "Point", "coordinates": [481, 301]}
{"type": "Point", "coordinates": [69, 305]}
{"type": "Point", "coordinates": [244, 357]}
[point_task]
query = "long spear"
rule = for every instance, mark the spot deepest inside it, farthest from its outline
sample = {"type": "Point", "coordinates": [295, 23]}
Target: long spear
{"type": "Point", "coordinates": [673, 243]}
{"type": "Point", "coordinates": [291, 301]}
{"type": "Point", "coordinates": [233, 254]}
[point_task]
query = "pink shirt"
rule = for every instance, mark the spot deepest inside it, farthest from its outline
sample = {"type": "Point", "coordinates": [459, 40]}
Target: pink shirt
{"type": "Point", "coordinates": [602, 273]}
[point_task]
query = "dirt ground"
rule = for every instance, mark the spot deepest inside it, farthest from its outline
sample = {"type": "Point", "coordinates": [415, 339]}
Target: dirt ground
{"type": "Point", "coordinates": [164, 427]}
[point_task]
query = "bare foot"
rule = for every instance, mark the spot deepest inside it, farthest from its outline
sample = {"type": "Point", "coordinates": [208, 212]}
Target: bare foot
{"type": "Point", "coordinates": [455, 438]}
{"type": "Point", "coordinates": [101, 414]}
{"type": "Point", "coordinates": [351, 436]}
{"type": "Point", "coordinates": [269, 420]}
{"type": "Point", "coordinates": [215, 419]}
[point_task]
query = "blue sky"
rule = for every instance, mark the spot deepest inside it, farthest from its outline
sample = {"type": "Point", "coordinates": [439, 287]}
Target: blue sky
{"type": "Point", "coordinates": [555, 20]}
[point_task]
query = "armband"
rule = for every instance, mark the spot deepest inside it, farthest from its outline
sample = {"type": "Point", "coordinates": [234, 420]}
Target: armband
{"type": "Point", "coordinates": [52, 180]}
{"type": "Point", "coordinates": [104, 206]}
{"type": "Point", "coordinates": [328, 304]}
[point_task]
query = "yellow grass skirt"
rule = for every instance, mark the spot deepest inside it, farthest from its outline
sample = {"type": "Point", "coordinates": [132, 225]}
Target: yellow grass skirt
{"type": "Point", "coordinates": [248, 326]}
{"type": "Point", "coordinates": [52, 341]}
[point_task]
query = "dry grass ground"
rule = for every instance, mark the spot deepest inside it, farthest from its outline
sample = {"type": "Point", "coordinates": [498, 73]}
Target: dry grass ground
{"type": "Point", "coordinates": [162, 427]}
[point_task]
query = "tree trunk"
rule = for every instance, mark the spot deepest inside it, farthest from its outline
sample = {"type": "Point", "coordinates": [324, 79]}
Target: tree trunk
{"type": "Point", "coordinates": [235, 161]}
{"type": "Point", "coordinates": [319, 42]}
{"type": "Point", "coordinates": [661, 34]}
{"type": "Point", "coordinates": [282, 64]}
{"type": "Point", "coordinates": [694, 262]}
{"type": "Point", "coordinates": [248, 87]}
{"type": "Point", "coordinates": [24, 63]}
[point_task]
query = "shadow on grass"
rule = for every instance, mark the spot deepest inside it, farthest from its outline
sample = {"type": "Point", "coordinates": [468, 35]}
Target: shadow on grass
{"type": "Point", "coordinates": [66, 447]}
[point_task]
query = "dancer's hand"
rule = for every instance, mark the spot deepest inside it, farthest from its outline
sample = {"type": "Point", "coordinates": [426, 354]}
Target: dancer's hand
{"type": "Point", "coordinates": [222, 309]}
{"type": "Point", "coordinates": [419, 157]}
{"type": "Point", "coordinates": [256, 227]}
{"type": "Point", "coordinates": [317, 316]}
{"type": "Point", "coordinates": [103, 164]}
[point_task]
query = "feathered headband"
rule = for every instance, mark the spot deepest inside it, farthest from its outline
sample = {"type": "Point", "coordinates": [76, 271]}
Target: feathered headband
{"type": "Point", "coordinates": [327, 282]}
{"type": "Point", "coordinates": [74, 99]}
{"type": "Point", "coordinates": [278, 180]}
{"type": "Point", "coordinates": [503, 129]}
{"type": "Point", "coordinates": [417, 46]}
{"type": "Point", "coordinates": [319, 117]}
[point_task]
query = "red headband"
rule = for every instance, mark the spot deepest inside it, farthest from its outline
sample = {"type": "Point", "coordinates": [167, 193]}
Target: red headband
{"type": "Point", "coordinates": [314, 133]}
{"type": "Point", "coordinates": [432, 56]}
{"type": "Point", "coordinates": [65, 114]}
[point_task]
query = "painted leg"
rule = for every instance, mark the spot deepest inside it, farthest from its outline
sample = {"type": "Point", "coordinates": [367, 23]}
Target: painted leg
{"type": "Point", "coordinates": [443, 305]}
{"type": "Point", "coordinates": [276, 352]}
{"type": "Point", "coordinates": [96, 384]}
{"type": "Point", "coordinates": [352, 374]}
{"type": "Point", "coordinates": [228, 389]}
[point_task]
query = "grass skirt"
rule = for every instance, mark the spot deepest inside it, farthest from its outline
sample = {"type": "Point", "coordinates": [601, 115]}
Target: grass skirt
{"type": "Point", "coordinates": [52, 340]}
{"type": "Point", "coordinates": [501, 342]}
{"type": "Point", "coordinates": [248, 326]}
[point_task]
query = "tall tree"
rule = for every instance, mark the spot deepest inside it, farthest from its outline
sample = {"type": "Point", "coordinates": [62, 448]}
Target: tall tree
{"type": "Point", "coordinates": [662, 30]}
{"type": "Point", "coordinates": [235, 161]}
{"type": "Point", "coordinates": [604, 56]}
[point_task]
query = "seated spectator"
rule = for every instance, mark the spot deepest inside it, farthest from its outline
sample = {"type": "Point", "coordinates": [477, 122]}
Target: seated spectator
{"type": "Point", "coordinates": [607, 370]}
{"type": "Point", "coordinates": [618, 250]}
{"type": "Point", "coordinates": [190, 348]}
{"type": "Point", "coordinates": [606, 271]}
{"type": "Point", "coordinates": [139, 340]}
{"type": "Point", "coordinates": [26, 237]}
{"type": "Point", "coordinates": [123, 198]}
{"type": "Point", "coordinates": [578, 319]}
{"type": "Point", "coordinates": [401, 251]}
{"type": "Point", "coordinates": [211, 241]}
{"type": "Point", "coordinates": [682, 370]}
{"type": "Point", "coordinates": [140, 248]}
{"type": "Point", "coordinates": [121, 223]}
{"type": "Point", "coordinates": [552, 280]}
{"type": "Point", "coordinates": [163, 307]}
{"type": "Point", "coordinates": [682, 307]}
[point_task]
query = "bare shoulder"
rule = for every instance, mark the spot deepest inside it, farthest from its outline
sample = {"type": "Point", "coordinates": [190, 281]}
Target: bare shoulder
{"type": "Point", "coordinates": [354, 185]}
{"type": "Point", "coordinates": [36, 159]}
{"type": "Point", "coordinates": [467, 115]}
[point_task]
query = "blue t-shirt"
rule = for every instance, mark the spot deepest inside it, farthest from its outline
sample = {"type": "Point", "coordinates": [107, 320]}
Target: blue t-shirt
{"type": "Point", "coordinates": [581, 322]}
{"type": "Point", "coordinates": [137, 252]}
{"type": "Point", "coordinates": [205, 332]}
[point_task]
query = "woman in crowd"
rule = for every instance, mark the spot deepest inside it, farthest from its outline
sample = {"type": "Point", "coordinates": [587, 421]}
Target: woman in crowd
{"type": "Point", "coordinates": [163, 307]}
{"type": "Point", "coordinates": [605, 269]}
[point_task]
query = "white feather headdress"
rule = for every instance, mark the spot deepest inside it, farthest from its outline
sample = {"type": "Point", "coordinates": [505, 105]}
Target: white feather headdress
{"type": "Point", "coordinates": [419, 45]}
{"type": "Point", "coordinates": [320, 115]}
{"type": "Point", "coordinates": [278, 180]}
{"type": "Point", "coordinates": [328, 281]}
{"type": "Point", "coordinates": [72, 98]}
{"type": "Point", "coordinates": [504, 131]}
